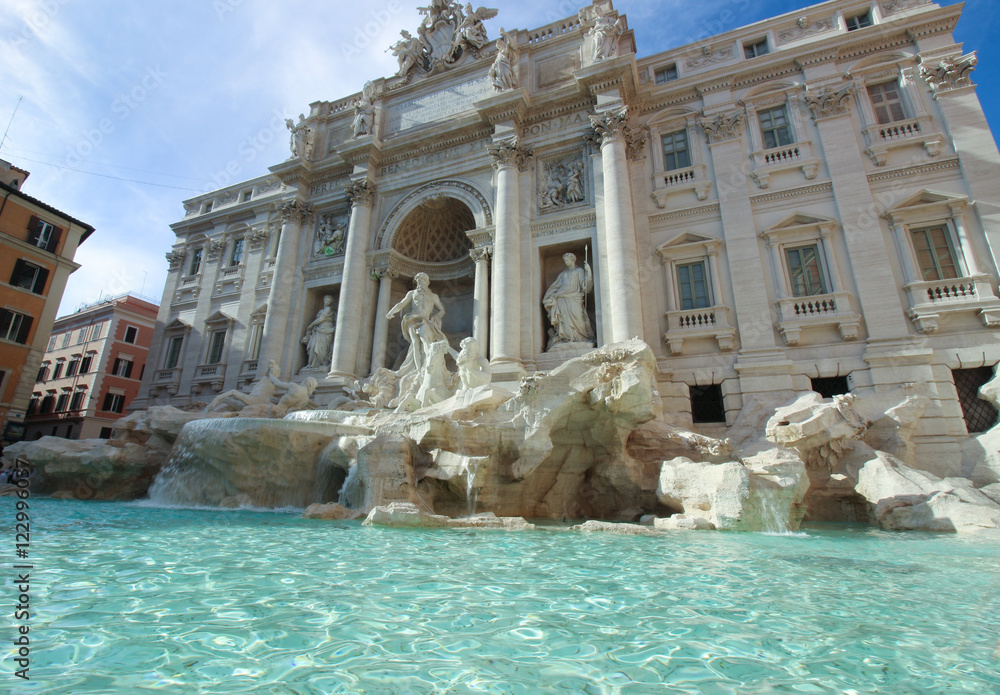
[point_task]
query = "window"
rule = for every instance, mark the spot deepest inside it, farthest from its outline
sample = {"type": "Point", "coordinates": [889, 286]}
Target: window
{"type": "Point", "coordinates": [693, 286]}
{"type": "Point", "coordinates": [206, 207]}
{"type": "Point", "coordinates": [676, 154]}
{"type": "Point", "coordinates": [62, 402]}
{"type": "Point", "coordinates": [15, 326]}
{"type": "Point", "coordinates": [122, 367]}
{"type": "Point", "coordinates": [98, 328]}
{"type": "Point", "coordinates": [830, 386]}
{"type": "Point", "coordinates": [52, 343]}
{"type": "Point", "coordinates": [43, 372]}
{"type": "Point", "coordinates": [775, 128]}
{"type": "Point", "coordinates": [76, 403]}
{"type": "Point", "coordinates": [44, 235]}
{"type": "Point", "coordinates": [81, 337]}
{"type": "Point", "coordinates": [707, 404]}
{"type": "Point", "coordinates": [65, 340]}
{"type": "Point", "coordinates": [32, 405]}
{"type": "Point", "coordinates": [113, 403]}
{"type": "Point", "coordinates": [237, 254]}
{"type": "Point", "coordinates": [59, 369]}
{"type": "Point", "coordinates": [887, 102]}
{"type": "Point", "coordinates": [195, 262]}
{"type": "Point", "coordinates": [88, 359]}
{"type": "Point", "coordinates": [755, 49]}
{"type": "Point", "coordinates": [130, 334]}
{"type": "Point", "coordinates": [173, 352]}
{"type": "Point", "coordinates": [48, 403]}
{"type": "Point", "coordinates": [105, 433]}
{"type": "Point", "coordinates": [935, 253]}
{"type": "Point", "coordinates": [29, 276]}
{"type": "Point", "coordinates": [859, 21]}
{"type": "Point", "coordinates": [218, 343]}
{"type": "Point", "coordinates": [804, 271]}
{"type": "Point", "coordinates": [667, 74]}
{"type": "Point", "coordinates": [74, 366]}
{"type": "Point", "coordinates": [979, 415]}
{"type": "Point", "coordinates": [246, 195]}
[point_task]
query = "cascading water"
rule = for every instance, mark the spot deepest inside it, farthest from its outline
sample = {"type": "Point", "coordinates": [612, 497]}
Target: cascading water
{"type": "Point", "coordinates": [471, 491]}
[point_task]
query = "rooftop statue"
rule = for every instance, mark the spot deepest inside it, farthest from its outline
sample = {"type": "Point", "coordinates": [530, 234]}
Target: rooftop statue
{"type": "Point", "coordinates": [502, 71]}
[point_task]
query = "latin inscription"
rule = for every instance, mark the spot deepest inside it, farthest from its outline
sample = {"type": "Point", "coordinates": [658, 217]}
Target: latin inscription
{"type": "Point", "coordinates": [438, 106]}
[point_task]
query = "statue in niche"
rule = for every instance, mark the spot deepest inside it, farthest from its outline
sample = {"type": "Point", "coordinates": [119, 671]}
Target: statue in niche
{"type": "Point", "coordinates": [364, 111]}
{"type": "Point", "coordinates": [605, 33]}
{"type": "Point", "coordinates": [319, 336]}
{"type": "Point", "coordinates": [409, 52]}
{"type": "Point", "coordinates": [564, 302]}
{"type": "Point", "coordinates": [473, 367]}
{"type": "Point", "coordinates": [502, 70]}
{"type": "Point", "coordinates": [261, 393]}
{"type": "Point", "coordinates": [299, 137]}
{"type": "Point", "coordinates": [421, 325]}
{"type": "Point", "coordinates": [471, 30]}
{"type": "Point", "coordinates": [330, 238]}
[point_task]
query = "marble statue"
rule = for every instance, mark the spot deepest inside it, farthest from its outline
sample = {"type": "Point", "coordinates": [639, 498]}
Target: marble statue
{"type": "Point", "coordinates": [319, 336]}
{"type": "Point", "coordinates": [298, 141]}
{"type": "Point", "coordinates": [605, 33]}
{"type": "Point", "coordinates": [502, 70]}
{"type": "Point", "coordinates": [420, 324]}
{"type": "Point", "coordinates": [564, 302]}
{"type": "Point", "coordinates": [262, 393]}
{"type": "Point", "coordinates": [409, 52]}
{"type": "Point", "coordinates": [296, 395]}
{"type": "Point", "coordinates": [574, 183]}
{"type": "Point", "coordinates": [471, 30]}
{"type": "Point", "coordinates": [473, 367]}
{"type": "Point", "coordinates": [330, 239]}
{"type": "Point", "coordinates": [364, 111]}
{"type": "Point", "coordinates": [434, 377]}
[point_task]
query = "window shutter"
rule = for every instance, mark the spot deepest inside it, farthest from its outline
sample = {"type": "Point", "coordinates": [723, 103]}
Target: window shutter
{"type": "Point", "coordinates": [40, 279]}
{"type": "Point", "coordinates": [107, 403]}
{"type": "Point", "coordinates": [114, 369]}
{"type": "Point", "coordinates": [22, 335]}
{"type": "Point", "coordinates": [128, 370]}
{"type": "Point", "coordinates": [54, 239]}
{"type": "Point", "coordinates": [35, 228]}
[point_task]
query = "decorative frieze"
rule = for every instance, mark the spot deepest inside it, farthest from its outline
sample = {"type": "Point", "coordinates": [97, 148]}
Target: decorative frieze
{"type": "Point", "coordinates": [709, 57]}
{"type": "Point", "coordinates": [510, 154]}
{"type": "Point", "coordinates": [803, 29]}
{"type": "Point", "coordinates": [361, 192]}
{"type": "Point", "coordinates": [562, 182]}
{"type": "Point", "coordinates": [829, 102]}
{"type": "Point", "coordinates": [330, 237]}
{"type": "Point", "coordinates": [951, 73]}
{"type": "Point", "coordinates": [723, 126]}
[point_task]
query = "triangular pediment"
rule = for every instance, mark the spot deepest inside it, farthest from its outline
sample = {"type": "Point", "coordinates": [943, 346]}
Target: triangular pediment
{"type": "Point", "coordinates": [176, 325]}
{"type": "Point", "coordinates": [927, 197]}
{"type": "Point", "coordinates": [218, 317]}
{"type": "Point", "coordinates": [684, 239]}
{"type": "Point", "coordinates": [798, 220]}
{"type": "Point", "coordinates": [260, 311]}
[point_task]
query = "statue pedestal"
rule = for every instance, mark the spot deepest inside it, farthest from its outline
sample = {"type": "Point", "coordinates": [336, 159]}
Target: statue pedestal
{"type": "Point", "coordinates": [566, 351]}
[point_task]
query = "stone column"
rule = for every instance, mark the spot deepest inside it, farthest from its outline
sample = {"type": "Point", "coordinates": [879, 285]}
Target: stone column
{"type": "Point", "coordinates": [293, 215]}
{"type": "Point", "coordinates": [619, 229]}
{"type": "Point", "coordinates": [777, 271]}
{"type": "Point", "coordinates": [967, 250]}
{"type": "Point", "coordinates": [910, 273]}
{"type": "Point", "coordinates": [870, 259]}
{"type": "Point", "coordinates": [481, 298]}
{"type": "Point", "coordinates": [831, 259]}
{"type": "Point", "coordinates": [951, 79]}
{"type": "Point", "coordinates": [508, 159]}
{"type": "Point", "coordinates": [350, 310]}
{"type": "Point", "coordinates": [381, 322]}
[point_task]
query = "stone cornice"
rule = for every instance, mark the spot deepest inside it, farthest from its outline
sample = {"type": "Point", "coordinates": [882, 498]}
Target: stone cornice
{"type": "Point", "coordinates": [915, 170]}
{"type": "Point", "coordinates": [825, 187]}
{"type": "Point", "coordinates": [587, 220]}
{"type": "Point", "coordinates": [511, 105]}
{"type": "Point", "coordinates": [399, 153]}
{"type": "Point", "coordinates": [711, 209]}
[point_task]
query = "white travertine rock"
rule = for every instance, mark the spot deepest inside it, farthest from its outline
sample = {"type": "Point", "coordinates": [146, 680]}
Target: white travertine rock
{"type": "Point", "coordinates": [331, 512]}
{"type": "Point", "coordinates": [905, 498]}
{"type": "Point", "coordinates": [619, 529]}
{"type": "Point", "coordinates": [682, 522]}
{"type": "Point", "coordinates": [405, 515]}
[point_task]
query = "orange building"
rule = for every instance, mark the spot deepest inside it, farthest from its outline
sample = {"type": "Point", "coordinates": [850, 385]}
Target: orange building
{"type": "Point", "coordinates": [37, 245]}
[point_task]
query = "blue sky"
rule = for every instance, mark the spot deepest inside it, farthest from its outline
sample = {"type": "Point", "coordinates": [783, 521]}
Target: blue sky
{"type": "Point", "coordinates": [128, 108]}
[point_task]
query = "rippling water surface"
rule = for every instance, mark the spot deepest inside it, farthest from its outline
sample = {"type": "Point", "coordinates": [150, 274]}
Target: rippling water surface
{"type": "Point", "coordinates": [132, 599]}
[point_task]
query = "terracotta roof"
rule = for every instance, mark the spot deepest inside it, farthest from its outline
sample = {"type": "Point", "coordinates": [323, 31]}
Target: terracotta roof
{"type": "Point", "coordinates": [87, 229]}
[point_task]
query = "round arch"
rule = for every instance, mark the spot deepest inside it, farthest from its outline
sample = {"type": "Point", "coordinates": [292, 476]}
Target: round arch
{"type": "Point", "coordinates": [462, 191]}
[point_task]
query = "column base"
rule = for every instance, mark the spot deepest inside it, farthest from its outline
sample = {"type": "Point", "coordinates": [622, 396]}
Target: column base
{"type": "Point", "coordinates": [507, 371]}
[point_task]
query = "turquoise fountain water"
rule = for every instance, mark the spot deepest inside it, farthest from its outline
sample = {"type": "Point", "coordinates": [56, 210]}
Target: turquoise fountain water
{"type": "Point", "coordinates": [132, 599]}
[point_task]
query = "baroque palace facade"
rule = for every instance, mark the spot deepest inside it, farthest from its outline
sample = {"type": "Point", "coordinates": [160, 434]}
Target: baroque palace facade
{"type": "Point", "coordinates": [811, 202]}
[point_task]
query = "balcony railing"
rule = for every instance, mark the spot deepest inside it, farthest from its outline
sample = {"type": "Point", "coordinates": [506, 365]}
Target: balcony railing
{"type": "Point", "coordinates": [798, 155]}
{"type": "Point", "coordinates": [929, 299]}
{"type": "Point", "coordinates": [830, 309]}
{"type": "Point", "coordinates": [884, 137]}
{"type": "Point", "coordinates": [668, 183]}
{"type": "Point", "coordinates": [709, 322]}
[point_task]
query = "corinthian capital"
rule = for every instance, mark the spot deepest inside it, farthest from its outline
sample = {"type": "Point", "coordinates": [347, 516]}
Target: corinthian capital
{"type": "Point", "coordinates": [829, 102]}
{"type": "Point", "coordinates": [175, 258]}
{"type": "Point", "coordinates": [361, 192]}
{"type": "Point", "coordinates": [724, 126]}
{"type": "Point", "coordinates": [951, 73]}
{"type": "Point", "coordinates": [481, 253]}
{"type": "Point", "coordinates": [510, 154]}
{"type": "Point", "coordinates": [295, 211]}
{"type": "Point", "coordinates": [611, 125]}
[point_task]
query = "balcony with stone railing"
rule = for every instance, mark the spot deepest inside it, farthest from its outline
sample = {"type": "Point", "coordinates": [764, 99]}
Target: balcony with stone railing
{"type": "Point", "coordinates": [798, 155]}
{"type": "Point", "coordinates": [212, 375]}
{"type": "Point", "coordinates": [802, 313]}
{"type": "Point", "coordinates": [166, 379]}
{"type": "Point", "coordinates": [929, 300]}
{"type": "Point", "coordinates": [689, 324]}
{"type": "Point", "coordinates": [692, 178]}
{"type": "Point", "coordinates": [882, 138]}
